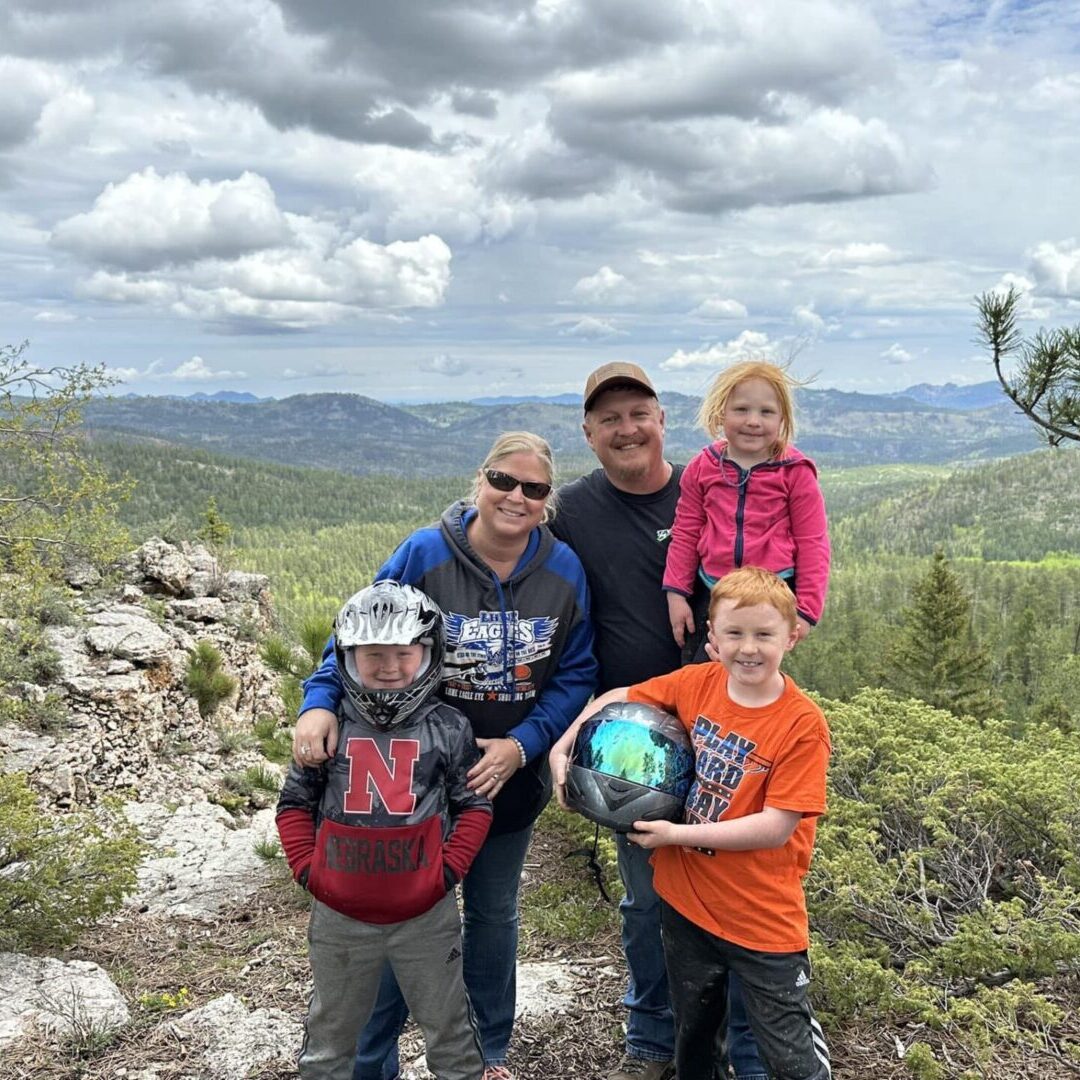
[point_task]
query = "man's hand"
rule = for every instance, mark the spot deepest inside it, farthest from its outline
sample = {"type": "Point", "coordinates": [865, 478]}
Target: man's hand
{"type": "Point", "coordinates": [652, 834]}
{"type": "Point", "coordinates": [680, 616]}
{"type": "Point", "coordinates": [315, 738]}
{"type": "Point", "coordinates": [802, 628]}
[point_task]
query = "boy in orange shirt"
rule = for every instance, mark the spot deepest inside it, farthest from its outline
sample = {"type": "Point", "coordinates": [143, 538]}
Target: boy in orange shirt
{"type": "Point", "coordinates": [730, 877]}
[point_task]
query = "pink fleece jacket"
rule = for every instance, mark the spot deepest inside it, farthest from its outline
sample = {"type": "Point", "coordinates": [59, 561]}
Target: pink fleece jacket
{"type": "Point", "coordinates": [770, 515]}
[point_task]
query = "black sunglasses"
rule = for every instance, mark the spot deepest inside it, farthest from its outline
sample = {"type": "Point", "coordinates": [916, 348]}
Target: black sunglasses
{"type": "Point", "coordinates": [531, 489]}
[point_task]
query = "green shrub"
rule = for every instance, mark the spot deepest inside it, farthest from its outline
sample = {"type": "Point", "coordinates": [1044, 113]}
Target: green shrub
{"type": "Point", "coordinates": [231, 739]}
{"type": "Point", "coordinates": [206, 682]}
{"type": "Point", "coordinates": [59, 873]}
{"type": "Point", "coordinates": [946, 875]}
{"type": "Point", "coordinates": [275, 742]}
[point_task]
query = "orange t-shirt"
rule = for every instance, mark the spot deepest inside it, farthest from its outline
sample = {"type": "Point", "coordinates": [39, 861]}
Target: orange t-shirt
{"type": "Point", "coordinates": [744, 760]}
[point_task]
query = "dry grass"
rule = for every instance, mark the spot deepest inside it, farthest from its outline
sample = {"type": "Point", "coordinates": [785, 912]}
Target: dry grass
{"type": "Point", "coordinates": [258, 952]}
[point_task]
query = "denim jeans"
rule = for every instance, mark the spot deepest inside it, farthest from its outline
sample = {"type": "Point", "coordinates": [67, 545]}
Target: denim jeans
{"type": "Point", "coordinates": [489, 896]}
{"type": "Point", "coordinates": [650, 1029]}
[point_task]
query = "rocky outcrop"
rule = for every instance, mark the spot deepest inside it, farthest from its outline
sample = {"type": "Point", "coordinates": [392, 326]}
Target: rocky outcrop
{"type": "Point", "coordinates": [200, 862]}
{"type": "Point", "coordinates": [130, 728]}
{"type": "Point", "coordinates": [130, 724]}
{"type": "Point", "coordinates": [76, 998]}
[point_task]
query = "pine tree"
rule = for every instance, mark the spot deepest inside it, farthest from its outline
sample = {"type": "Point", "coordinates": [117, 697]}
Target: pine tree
{"type": "Point", "coordinates": [215, 530]}
{"type": "Point", "coordinates": [936, 658]}
{"type": "Point", "coordinates": [1046, 383]}
{"type": "Point", "coordinates": [55, 502]}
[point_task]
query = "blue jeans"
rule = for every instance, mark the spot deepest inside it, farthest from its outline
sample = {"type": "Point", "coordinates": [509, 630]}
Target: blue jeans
{"type": "Point", "coordinates": [650, 1029]}
{"type": "Point", "coordinates": [489, 896]}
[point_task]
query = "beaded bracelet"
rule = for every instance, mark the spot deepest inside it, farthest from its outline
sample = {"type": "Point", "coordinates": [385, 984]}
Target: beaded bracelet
{"type": "Point", "coordinates": [521, 750]}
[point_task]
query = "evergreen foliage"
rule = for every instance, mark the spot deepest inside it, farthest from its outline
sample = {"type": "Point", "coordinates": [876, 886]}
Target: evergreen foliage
{"type": "Point", "coordinates": [935, 656]}
{"type": "Point", "coordinates": [946, 875]}
{"type": "Point", "coordinates": [215, 531]}
{"type": "Point", "coordinates": [55, 503]}
{"type": "Point", "coordinates": [1026, 507]}
{"type": "Point", "coordinates": [1046, 383]}
{"type": "Point", "coordinates": [58, 874]}
{"type": "Point", "coordinates": [205, 680]}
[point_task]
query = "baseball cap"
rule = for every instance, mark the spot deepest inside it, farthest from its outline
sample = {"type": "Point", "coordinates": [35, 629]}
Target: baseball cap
{"type": "Point", "coordinates": [617, 373]}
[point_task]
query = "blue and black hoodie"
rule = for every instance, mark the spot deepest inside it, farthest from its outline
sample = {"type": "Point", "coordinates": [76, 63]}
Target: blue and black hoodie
{"type": "Point", "coordinates": [519, 653]}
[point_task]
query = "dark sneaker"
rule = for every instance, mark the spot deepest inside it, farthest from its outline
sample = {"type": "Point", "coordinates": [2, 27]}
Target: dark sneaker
{"type": "Point", "coordinates": [635, 1068]}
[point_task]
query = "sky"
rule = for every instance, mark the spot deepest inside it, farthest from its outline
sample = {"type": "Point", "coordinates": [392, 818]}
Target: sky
{"type": "Point", "coordinates": [457, 198]}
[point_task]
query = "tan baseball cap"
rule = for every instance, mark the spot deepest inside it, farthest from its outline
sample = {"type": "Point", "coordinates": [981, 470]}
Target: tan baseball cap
{"type": "Point", "coordinates": [617, 373]}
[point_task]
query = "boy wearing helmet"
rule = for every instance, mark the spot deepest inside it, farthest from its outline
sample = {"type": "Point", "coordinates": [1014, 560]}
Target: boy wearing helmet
{"type": "Point", "coordinates": [381, 834]}
{"type": "Point", "coordinates": [729, 875]}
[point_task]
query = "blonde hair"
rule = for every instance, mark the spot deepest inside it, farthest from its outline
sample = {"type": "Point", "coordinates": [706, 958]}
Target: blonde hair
{"type": "Point", "coordinates": [711, 414]}
{"type": "Point", "coordinates": [751, 585]}
{"type": "Point", "coordinates": [520, 442]}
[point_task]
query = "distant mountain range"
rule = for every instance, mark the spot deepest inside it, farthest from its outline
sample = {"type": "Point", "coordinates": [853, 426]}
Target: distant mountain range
{"type": "Point", "coordinates": [950, 396]}
{"type": "Point", "coordinates": [359, 435]}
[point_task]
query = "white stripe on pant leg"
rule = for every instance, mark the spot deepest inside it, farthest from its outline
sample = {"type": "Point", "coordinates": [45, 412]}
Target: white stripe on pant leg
{"type": "Point", "coordinates": [820, 1046]}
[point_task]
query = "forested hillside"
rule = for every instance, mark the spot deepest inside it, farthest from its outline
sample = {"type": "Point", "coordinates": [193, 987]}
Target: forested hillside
{"type": "Point", "coordinates": [358, 435]}
{"type": "Point", "coordinates": [943, 893]}
{"type": "Point", "coordinates": [1025, 507]}
{"type": "Point", "coordinates": [320, 534]}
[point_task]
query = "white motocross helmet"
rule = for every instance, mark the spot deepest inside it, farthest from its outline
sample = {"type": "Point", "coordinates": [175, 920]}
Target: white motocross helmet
{"type": "Point", "coordinates": [388, 613]}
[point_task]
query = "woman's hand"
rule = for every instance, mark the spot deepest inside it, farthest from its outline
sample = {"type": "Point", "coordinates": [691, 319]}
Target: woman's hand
{"type": "Point", "coordinates": [501, 759]}
{"type": "Point", "coordinates": [680, 616]}
{"type": "Point", "coordinates": [315, 738]}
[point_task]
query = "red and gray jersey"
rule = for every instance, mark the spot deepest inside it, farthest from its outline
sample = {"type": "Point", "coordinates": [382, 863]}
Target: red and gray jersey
{"type": "Point", "coordinates": [381, 832]}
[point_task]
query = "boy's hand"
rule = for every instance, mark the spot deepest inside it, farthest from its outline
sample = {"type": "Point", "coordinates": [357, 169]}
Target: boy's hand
{"type": "Point", "coordinates": [315, 738]}
{"type": "Point", "coordinates": [500, 761]}
{"type": "Point", "coordinates": [652, 834]}
{"type": "Point", "coordinates": [680, 616]}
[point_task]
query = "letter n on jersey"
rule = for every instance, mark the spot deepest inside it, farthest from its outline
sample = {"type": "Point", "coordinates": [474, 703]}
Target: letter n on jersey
{"type": "Point", "coordinates": [371, 773]}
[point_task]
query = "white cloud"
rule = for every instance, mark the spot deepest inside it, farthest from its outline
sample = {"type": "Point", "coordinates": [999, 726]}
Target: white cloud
{"type": "Point", "coordinates": [51, 315]}
{"type": "Point", "coordinates": [123, 374]}
{"type": "Point", "coordinates": [316, 371]}
{"type": "Point", "coordinates": [896, 354]}
{"type": "Point", "coordinates": [717, 307]}
{"type": "Point", "coordinates": [26, 88]}
{"type": "Point", "coordinates": [592, 329]}
{"type": "Point", "coordinates": [149, 221]}
{"type": "Point", "coordinates": [808, 320]}
{"type": "Point", "coordinates": [196, 370]}
{"type": "Point", "coordinates": [603, 286]}
{"type": "Point", "coordinates": [224, 251]}
{"type": "Point", "coordinates": [855, 254]}
{"type": "Point", "coordinates": [443, 364]}
{"type": "Point", "coordinates": [1056, 268]}
{"type": "Point", "coordinates": [749, 345]}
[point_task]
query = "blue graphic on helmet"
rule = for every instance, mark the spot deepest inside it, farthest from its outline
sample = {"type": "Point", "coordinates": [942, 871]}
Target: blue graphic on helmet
{"type": "Point", "coordinates": [637, 752]}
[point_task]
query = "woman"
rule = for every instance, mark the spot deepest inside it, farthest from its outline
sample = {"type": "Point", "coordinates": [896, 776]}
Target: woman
{"type": "Point", "coordinates": [519, 664]}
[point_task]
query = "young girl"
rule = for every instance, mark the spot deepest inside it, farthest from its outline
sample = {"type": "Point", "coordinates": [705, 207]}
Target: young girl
{"type": "Point", "coordinates": [749, 499]}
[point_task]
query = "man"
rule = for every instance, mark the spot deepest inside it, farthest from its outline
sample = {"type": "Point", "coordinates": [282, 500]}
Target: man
{"type": "Point", "coordinates": [618, 520]}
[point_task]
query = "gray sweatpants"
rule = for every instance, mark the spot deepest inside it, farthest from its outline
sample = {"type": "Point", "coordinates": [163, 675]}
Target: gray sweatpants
{"type": "Point", "coordinates": [347, 958]}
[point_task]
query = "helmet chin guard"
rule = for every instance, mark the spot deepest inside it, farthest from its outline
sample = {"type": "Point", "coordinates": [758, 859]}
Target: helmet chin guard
{"type": "Point", "coordinates": [630, 762]}
{"type": "Point", "coordinates": [388, 613]}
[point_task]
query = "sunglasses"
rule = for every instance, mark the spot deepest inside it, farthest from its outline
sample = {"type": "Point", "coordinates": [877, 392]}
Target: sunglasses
{"type": "Point", "coordinates": [531, 489]}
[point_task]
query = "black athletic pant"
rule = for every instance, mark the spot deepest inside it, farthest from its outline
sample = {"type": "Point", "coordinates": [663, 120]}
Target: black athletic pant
{"type": "Point", "coordinates": [774, 985]}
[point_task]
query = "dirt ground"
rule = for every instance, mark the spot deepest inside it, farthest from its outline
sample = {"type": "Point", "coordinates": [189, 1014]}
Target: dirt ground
{"type": "Point", "coordinates": [258, 952]}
